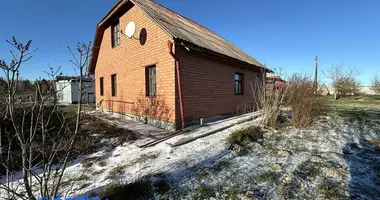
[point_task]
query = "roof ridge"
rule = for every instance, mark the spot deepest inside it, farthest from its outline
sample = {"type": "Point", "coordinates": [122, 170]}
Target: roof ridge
{"type": "Point", "coordinates": [194, 33]}
{"type": "Point", "coordinates": [195, 23]}
{"type": "Point", "coordinates": [213, 33]}
{"type": "Point", "coordinates": [178, 27]}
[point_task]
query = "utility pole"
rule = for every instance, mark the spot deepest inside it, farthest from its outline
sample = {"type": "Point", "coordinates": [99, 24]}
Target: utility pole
{"type": "Point", "coordinates": [316, 76]}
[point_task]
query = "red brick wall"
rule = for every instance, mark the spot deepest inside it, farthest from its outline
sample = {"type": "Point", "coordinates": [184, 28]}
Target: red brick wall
{"type": "Point", "coordinates": [128, 61]}
{"type": "Point", "coordinates": [208, 85]}
{"type": "Point", "coordinates": [207, 82]}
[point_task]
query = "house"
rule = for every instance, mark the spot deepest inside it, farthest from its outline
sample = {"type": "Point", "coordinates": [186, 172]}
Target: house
{"type": "Point", "coordinates": [276, 81]}
{"type": "Point", "coordinates": [68, 90]}
{"type": "Point", "coordinates": [366, 90]}
{"type": "Point", "coordinates": [172, 72]}
{"type": "Point", "coordinates": [323, 90]}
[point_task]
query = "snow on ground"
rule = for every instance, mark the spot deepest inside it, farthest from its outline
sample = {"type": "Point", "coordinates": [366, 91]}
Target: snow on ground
{"type": "Point", "coordinates": [334, 159]}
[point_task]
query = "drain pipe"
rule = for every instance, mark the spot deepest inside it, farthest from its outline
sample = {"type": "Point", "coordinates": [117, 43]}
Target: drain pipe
{"type": "Point", "coordinates": [170, 46]}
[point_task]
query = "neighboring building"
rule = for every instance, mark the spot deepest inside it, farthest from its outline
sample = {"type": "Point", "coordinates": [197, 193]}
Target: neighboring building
{"type": "Point", "coordinates": [68, 90]}
{"type": "Point", "coordinates": [172, 72]}
{"type": "Point", "coordinates": [367, 90]}
{"type": "Point", "coordinates": [323, 90]}
{"type": "Point", "coordinates": [276, 81]}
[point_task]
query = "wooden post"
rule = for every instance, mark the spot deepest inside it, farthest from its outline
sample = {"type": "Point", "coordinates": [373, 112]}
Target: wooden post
{"type": "Point", "coordinates": [316, 76]}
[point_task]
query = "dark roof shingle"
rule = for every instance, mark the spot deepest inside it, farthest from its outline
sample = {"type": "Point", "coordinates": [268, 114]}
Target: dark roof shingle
{"type": "Point", "coordinates": [182, 28]}
{"type": "Point", "coordinates": [179, 27]}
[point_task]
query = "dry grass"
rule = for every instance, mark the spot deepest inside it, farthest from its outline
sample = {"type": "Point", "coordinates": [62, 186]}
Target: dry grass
{"type": "Point", "coordinates": [116, 171]}
{"type": "Point", "coordinates": [90, 161]}
{"type": "Point", "coordinates": [246, 136]}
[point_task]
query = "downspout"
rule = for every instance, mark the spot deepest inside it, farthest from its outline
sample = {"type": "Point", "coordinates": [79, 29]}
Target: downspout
{"type": "Point", "coordinates": [170, 46]}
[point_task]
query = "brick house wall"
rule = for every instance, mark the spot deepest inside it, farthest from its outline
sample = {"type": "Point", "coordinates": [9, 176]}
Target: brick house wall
{"type": "Point", "coordinates": [207, 81]}
{"type": "Point", "coordinates": [208, 85]}
{"type": "Point", "coordinates": [128, 61]}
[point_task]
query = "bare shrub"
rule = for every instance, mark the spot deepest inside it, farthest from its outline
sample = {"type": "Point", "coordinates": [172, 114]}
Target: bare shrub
{"type": "Point", "coordinates": [343, 80]}
{"type": "Point", "coordinates": [375, 85]}
{"type": "Point", "coordinates": [269, 99]}
{"type": "Point", "coordinates": [156, 108]}
{"type": "Point", "coordinates": [37, 137]}
{"type": "Point", "coordinates": [302, 100]}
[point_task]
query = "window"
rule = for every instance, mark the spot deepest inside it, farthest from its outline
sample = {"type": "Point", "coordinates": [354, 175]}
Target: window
{"type": "Point", "coordinates": [113, 84]}
{"type": "Point", "coordinates": [151, 80]}
{"type": "Point", "coordinates": [115, 34]}
{"type": "Point", "coordinates": [101, 86]}
{"type": "Point", "coordinates": [238, 84]}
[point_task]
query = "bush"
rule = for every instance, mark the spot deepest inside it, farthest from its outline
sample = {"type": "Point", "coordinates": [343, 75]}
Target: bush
{"type": "Point", "coordinates": [269, 99]}
{"type": "Point", "coordinates": [302, 100]}
{"type": "Point", "coordinates": [375, 85]}
{"type": "Point", "coordinates": [140, 189]}
{"type": "Point", "coordinates": [246, 136]}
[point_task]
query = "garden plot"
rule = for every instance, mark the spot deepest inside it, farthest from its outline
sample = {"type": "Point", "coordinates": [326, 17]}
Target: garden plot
{"type": "Point", "coordinates": [338, 158]}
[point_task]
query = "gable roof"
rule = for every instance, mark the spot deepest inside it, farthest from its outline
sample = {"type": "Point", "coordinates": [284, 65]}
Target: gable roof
{"type": "Point", "coordinates": [181, 29]}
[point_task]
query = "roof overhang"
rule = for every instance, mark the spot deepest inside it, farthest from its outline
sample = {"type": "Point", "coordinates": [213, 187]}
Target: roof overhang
{"type": "Point", "coordinates": [221, 56]}
{"type": "Point", "coordinates": [99, 34]}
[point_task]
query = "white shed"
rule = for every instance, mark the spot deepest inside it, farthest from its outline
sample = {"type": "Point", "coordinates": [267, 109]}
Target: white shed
{"type": "Point", "coordinates": [68, 90]}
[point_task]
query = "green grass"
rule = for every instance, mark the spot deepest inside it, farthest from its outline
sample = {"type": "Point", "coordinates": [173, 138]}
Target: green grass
{"type": "Point", "coordinates": [362, 101]}
{"type": "Point", "coordinates": [354, 109]}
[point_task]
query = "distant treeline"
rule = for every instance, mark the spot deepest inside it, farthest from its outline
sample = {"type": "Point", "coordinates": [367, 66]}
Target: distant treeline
{"type": "Point", "coordinates": [25, 86]}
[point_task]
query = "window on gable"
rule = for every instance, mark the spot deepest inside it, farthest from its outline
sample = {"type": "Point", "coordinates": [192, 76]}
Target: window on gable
{"type": "Point", "coordinates": [238, 84]}
{"type": "Point", "coordinates": [113, 84]}
{"type": "Point", "coordinates": [115, 34]}
{"type": "Point", "coordinates": [101, 86]}
{"type": "Point", "coordinates": [150, 73]}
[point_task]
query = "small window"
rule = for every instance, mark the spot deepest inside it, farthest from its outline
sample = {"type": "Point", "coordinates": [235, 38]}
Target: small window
{"type": "Point", "coordinates": [238, 84]}
{"type": "Point", "coordinates": [113, 84]}
{"type": "Point", "coordinates": [101, 86]}
{"type": "Point", "coordinates": [151, 81]}
{"type": "Point", "coordinates": [115, 34]}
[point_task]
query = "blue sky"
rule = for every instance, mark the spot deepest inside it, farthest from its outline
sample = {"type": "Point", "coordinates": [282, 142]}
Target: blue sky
{"type": "Point", "coordinates": [281, 34]}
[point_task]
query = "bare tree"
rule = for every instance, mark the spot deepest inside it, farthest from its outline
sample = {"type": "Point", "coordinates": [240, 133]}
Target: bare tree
{"type": "Point", "coordinates": [343, 79]}
{"type": "Point", "coordinates": [37, 133]}
{"type": "Point", "coordinates": [375, 85]}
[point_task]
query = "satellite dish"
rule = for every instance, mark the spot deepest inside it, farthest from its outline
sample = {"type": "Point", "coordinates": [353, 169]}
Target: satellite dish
{"type": "Point", "coordinates": [130, 29]}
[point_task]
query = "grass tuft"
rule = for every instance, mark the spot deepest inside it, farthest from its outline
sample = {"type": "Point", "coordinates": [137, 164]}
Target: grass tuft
{"type": "Point", "coordinates": [116, 171]}
{"type": "Point", "coordinates": [246, 136]}
{"type": "Point", "coordinates": [140, 189]}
